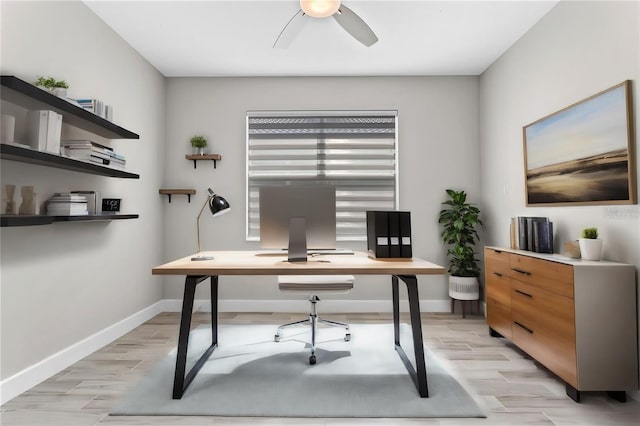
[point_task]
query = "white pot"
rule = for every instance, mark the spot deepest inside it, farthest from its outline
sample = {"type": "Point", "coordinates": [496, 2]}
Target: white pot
{"type": "Point", "coordinates": [60, 92]}
{"type": "Point", "coordinates": [590, 249]}
{"type": "Point", "coordinates": [464, 288]}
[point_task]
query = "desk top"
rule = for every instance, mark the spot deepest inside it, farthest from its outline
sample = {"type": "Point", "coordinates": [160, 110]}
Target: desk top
{"type": "Point", "coordinates": [268, 263]}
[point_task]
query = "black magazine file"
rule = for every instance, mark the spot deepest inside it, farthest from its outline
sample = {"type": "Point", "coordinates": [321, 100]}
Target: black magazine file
{"type": "Point", "coordinates": [389, 234]}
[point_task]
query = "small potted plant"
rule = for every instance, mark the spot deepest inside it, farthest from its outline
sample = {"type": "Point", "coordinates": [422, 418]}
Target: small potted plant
{"type": "Point", "coordinates": [57, 87]}
{"type": "Point", "coordinates": [199, 143]}
{"type": "Point", "coordinates": [459, 221]}
{"type": "Point", "coordinates": [590, 245]}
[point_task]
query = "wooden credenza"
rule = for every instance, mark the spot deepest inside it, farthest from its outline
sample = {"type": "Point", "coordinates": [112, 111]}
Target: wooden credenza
{"type": "Point", "coordinates": [577, 318]}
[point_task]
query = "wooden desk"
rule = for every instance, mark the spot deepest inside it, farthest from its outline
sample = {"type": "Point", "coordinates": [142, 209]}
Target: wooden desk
{"type": "Point", "coordinates": [268, 263]}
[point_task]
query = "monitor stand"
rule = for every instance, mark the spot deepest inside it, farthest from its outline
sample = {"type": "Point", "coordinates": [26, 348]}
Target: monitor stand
{"type": "Point", "coordinates": [297, 239]}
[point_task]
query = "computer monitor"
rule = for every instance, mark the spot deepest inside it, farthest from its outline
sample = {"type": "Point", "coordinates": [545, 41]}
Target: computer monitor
{"type": "Point", "coordinates": [283, 207]}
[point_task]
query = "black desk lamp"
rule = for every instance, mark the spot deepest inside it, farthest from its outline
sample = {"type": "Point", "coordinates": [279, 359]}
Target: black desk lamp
{"type": "Point", "coordinates": [218, 206]}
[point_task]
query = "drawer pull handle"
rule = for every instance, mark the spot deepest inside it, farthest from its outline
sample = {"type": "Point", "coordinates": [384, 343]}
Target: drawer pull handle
{"type": "Point", "coordinates": [520, 271]}
{"type": "Point", "coordinates": [527, 329]}
{"type": "Point", "coordinates": [498, 251]}
{"type": "Point", "coordinates": [524, 294]}
{"type": "Point", "coordinates": [498, 274]}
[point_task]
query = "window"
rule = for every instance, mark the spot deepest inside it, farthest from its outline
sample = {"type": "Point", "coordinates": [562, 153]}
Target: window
{"type": "Point", "coordinates": [354, 151]}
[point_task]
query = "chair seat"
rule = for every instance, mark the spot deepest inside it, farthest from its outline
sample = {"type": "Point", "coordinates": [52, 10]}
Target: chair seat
{"type": "Point", "coordinates": [315, 283]}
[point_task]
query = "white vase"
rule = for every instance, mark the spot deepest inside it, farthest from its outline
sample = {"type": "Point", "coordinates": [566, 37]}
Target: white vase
{"type": "Point", "coordinates": [590, 249]}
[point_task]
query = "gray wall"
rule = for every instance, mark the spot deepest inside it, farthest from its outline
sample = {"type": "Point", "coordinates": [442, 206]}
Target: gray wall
{"type": "Point", "coordinates": [64, 282]}
{"type": "Point", "coordinates": [578, 49]}
{"type": "Point", "coordinates": [438, 149]}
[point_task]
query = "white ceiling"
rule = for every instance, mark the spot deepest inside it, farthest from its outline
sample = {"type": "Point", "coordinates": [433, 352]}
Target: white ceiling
{"type": "Point", "coordinates": [235, 38]}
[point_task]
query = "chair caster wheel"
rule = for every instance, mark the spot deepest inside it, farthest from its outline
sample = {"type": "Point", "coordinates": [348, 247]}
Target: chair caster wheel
{"type": "Point", "coordinates": [312, 359]}
{"type": "Point", "coordinates": [276, 338]}
{"type": "Point", "coordinates": [347, 337]}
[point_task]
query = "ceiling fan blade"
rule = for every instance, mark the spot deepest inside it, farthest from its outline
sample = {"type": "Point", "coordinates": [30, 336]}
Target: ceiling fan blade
{"type": "Point", "coordinates": [355, 26]}
{"type": "Point", "coordinates": [290, 31]}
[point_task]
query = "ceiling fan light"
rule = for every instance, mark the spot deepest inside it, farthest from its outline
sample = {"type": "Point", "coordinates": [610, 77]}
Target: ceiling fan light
{"type": "Point", "coordinates": [320, 8]}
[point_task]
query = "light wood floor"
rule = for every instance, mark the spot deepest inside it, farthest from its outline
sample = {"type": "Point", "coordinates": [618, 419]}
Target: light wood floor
{"type": "Point", "coordinates": [514, 389]}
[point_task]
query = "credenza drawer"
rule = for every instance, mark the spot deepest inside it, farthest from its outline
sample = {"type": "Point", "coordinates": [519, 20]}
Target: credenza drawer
{"type": "Point", "coordinates": [544, 326]}
{"type": "Point", "coordinates": [493, 257]}
{"type": "Point", "coordinates": [537, 308]}
{"type": "Point", "coordinates": [499, 317]}
{"type": "Point", "coordinates": [551, 276]}
{"type": "Point", "coordinates": [557, 355]}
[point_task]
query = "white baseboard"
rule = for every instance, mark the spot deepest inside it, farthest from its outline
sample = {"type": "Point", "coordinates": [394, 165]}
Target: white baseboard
{"type": "Point", "coordinates": [42, 370]}
{"type": "Point", "coordinates": [302, 306]}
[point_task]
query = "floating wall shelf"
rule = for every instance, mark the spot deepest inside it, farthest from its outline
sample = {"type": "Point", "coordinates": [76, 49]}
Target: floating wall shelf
{"type": "Point", "coordinates": [195, 158]}
{"type": "Point", "coordinates": [26, 155]}
{"type": "Point", "coordinates": [31, 220]}
{"type": "Point", "coordinates": [170, 192]}
{"type": "Point", "coordinates": [28, 96]}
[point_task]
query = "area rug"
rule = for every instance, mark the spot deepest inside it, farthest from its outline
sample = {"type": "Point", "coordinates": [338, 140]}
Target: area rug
{"type": "Point", "coordinates": [251, 375]}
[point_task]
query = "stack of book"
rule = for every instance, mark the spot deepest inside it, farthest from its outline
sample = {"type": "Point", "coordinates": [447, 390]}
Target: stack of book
{"type": "Point", "coordinates": [532, 234]}
{"type": "Point", "coordinates": [86, 150]}
{"type": "Point", "coordinates": [67, 204]}
{"type": "Point", "coordinates": [96, 106]}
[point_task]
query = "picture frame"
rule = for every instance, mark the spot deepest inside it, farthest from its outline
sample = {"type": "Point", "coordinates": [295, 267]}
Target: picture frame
{"type": "Point", "coordinates": [583, 154]}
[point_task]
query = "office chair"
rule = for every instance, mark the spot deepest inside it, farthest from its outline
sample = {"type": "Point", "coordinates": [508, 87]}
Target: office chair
{"type": "Point", "coordinates": [314, 285]}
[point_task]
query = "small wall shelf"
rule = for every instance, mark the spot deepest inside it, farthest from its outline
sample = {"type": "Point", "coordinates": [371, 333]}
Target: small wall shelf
{"type": "Point", "coordinates": [195, 158]}
{"type": "Point", "coordinates": [170, 192]}
{"type": "Point", "coordinates": [32, 220]}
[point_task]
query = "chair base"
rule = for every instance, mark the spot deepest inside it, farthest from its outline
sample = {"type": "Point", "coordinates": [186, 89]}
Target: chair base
{"type": "Point", "coordinates": [313, 321]}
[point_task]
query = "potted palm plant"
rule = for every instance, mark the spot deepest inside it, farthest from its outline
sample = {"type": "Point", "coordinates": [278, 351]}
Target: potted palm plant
{"type": "Point", "coordinates": [459, 220]}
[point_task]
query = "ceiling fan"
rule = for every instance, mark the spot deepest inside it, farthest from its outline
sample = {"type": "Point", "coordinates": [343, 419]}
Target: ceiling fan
{"type": "Point", "coordinates": [347, 19]}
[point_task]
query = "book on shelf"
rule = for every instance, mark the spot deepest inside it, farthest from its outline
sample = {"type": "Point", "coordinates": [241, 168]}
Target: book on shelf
{"type": "Point", "coordinates": [67, 204]}
{"type": "Point", "coordinates": [97, 107]}
{"type": "Point", "coordinates": [530, 230]}
{"type": "Point", "coordinates": [543, 237]}
{"type": "Point", "coordinates": [94, 152]}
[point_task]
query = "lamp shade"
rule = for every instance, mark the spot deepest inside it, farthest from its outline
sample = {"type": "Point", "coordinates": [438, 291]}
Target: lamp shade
{"type": "Point", "coordinates": [217, 204]}
{"type": "Point", "coordinates": [319, 8]}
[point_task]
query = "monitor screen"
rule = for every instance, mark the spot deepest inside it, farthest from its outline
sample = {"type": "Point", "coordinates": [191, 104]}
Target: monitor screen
{"type": "Point", "coordinates": [316, 204]}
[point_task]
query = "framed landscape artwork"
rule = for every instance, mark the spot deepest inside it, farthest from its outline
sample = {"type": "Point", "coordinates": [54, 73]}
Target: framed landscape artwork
{"type": "Point", "coordinates": [583, 154]}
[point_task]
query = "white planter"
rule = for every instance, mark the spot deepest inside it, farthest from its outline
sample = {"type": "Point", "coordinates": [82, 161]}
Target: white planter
{"type": "Point", "coordinates": [61, 92]}
{"type": "Point", "coordinates": [590, 249]}
{"type": "Point", "coordinates": [464, 288]}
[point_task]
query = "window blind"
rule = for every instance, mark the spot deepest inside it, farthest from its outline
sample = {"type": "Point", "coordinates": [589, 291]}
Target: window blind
{"type": "Point", "coordinates": [354, 151]}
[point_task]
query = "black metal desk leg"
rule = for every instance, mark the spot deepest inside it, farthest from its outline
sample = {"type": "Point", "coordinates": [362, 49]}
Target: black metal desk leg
{"type": "Point", "coordinates": [180, 380]}
{"type": "Point", "coordinates": [419, 374]}
{"type": "Point", "coordinates": [396, 309]}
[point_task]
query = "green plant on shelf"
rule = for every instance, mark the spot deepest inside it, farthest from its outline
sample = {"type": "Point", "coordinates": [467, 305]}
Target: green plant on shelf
{"type": "Point", "coordinates": [198, 141]}
{"type": "Point", "coordinates": [590, 233]}
{"type": "Point", "coordinates": [50, 83]}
